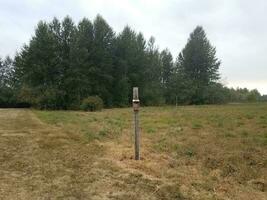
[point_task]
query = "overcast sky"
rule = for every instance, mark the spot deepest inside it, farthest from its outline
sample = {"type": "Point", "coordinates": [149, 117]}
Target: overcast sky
{"type": "Point", "coordinates": [238, 28]}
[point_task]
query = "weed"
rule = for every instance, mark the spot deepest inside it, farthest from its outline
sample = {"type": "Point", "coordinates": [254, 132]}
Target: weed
{"type": "Point", "coordinates": [190, 152]}
{"type": "Point", "coordinates": [103, 133]}
{"type": "Point", "coordinates": [229, 134]}
{"type": "Point", "coordinates": [196, 126]}
{"type": "Point", "coordinates": [151, 130]}
{"type": "Point", "coordinates": [249, 116]}
{"type": "Point", "coordinates": [244, 133]}
{"type": "Point", "coordinates": [90, 136]}
{"type": "Point", "coordinates": [220, 124]}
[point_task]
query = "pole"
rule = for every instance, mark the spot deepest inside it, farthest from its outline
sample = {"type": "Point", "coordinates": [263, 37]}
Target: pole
{"type": "Point", "coordinates": [137, 136]}
{"type": "Point", "coordinates": [136, 105]}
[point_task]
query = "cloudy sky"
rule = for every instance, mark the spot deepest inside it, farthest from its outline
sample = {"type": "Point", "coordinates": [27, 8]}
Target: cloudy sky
{"type": "Point", "coordinates": [238, 28]}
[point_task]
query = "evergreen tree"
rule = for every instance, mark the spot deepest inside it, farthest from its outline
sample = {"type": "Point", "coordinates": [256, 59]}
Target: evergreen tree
{"type": "Point", "coordinates": [153, 89]}
{"type": "Point", "coordinates": [137, 74]}
{"type": "Point", "coordinates": [6, 72]}
{"type": "Point", "coordinates": [64, 64]}
{"type": "Point", "coordinates": [125, 52]}
{"type": "Point", "coordinates": [81, 62]}
{"type": "Point", "coordinates": [254, 96]}
{"type": "Point", "coordinates": [198, 63]}
{"type": "Point", "coordinates": [37, 67]}
{"type": "Point", "coordinates": [167, 71]}
{"type": "Point", "coordinates": [130, 63]}
{"type": "Point", "coordinates": [7, 98]}
{"type": "Point", "coordinates": [68, 33]}
{"type": "Point", "coordinates": [103, 60]}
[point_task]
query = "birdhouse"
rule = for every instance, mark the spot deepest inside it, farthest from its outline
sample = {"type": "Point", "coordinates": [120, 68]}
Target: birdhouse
{"type": "Point", "coordinates": [136, 101]}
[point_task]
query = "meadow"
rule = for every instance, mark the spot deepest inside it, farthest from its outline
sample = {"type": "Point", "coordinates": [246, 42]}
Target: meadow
{"type": "Point", "coordinates": [187, 152]}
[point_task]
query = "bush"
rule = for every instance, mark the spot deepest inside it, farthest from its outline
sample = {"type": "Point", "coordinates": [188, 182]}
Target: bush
{"type": "Point", "coordinates": [92, 103]}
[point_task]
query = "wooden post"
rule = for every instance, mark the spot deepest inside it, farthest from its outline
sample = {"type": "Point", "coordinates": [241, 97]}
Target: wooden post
{"type": "Point", "coordinates": [136, 104]}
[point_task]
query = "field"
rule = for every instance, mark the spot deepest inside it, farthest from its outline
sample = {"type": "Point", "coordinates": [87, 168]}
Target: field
{"type": "Point", "coordinates": [187, 152]}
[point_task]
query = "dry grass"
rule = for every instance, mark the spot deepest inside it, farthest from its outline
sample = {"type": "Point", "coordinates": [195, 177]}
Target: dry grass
{"type": "Point", "coordinates": [193, 152]}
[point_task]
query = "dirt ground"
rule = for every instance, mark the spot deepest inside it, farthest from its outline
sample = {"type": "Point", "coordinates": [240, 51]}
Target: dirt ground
{"type": "Point", "coordinates": [41, 160]}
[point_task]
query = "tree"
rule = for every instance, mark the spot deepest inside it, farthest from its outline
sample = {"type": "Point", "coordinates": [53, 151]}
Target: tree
{"type": "Point", "coordinates": [7, 98]}
{"type": "Point", "coordinates": [81, 48]}
{"type": "Point", "coordinates": [63, 64]}
{"type": "Point", "coordinates": [35, 66]}
{"type": "Point", "coordinates": [254, 96]}
{"type": "Point", "coordinates": [6, 72]}
{"type": "Point", "coordinates": [167, 71]}
{"type": "Point", "coordinates": [137, 74]}
{"type": "Point", "coordinates": [125, 53]}
{"type": "Point", "coordinates": [68, 70]}
{"type": "Point", "coordinates": [198, 63]}
{"type": "Point", "coordinates": [153, 88]}
{"type": "Point", "coordinates": [103, 60]}
{"type": "Point", "coordinates": [130, 63]}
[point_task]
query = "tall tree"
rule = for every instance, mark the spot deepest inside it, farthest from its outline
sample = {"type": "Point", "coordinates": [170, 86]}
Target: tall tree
{"type": "Point", "coordinates": [167, 71]}
{"type": "Point", "coordinates": [137, 70]}
{"type": "Point", "coordinates": [81, 61]}
{"type": "Point", "coordinates": [7, 97]}
{"type": "Point", "coordinates": [37, 67]}
{"type": "Point", "coordinates": [103, 60]}
{"type": "Point", "coordinates": [167, 66]}
{"type": "Point", "coordinates": [125, 52]}
{"type": "Point", "coordinates": [6, 71]}
{"type": "Point", "coordinates": [68, 33]}
{"type": "Point", "coordinates": [130, 63]}
{"type": "Point", "coordinates": [199, 64]}
{"type": "Point", "coordinates": [153, 89]}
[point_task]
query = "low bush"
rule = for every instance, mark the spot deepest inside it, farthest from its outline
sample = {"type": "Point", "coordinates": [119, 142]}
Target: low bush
{"type": "Point", "coordinates": [92, 103]}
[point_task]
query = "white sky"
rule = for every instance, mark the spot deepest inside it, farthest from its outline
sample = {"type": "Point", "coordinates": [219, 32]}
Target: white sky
{"type": "Point", "coordinates": [236, 27]}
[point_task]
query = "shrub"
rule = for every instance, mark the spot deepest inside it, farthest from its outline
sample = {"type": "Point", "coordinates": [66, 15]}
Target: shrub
{"type": "Point", "coordinates": [92, 103]}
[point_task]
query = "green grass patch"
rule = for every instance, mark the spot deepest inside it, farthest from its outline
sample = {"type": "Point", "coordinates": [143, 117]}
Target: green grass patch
{"type": "Point", "coordinates": [197, 126]}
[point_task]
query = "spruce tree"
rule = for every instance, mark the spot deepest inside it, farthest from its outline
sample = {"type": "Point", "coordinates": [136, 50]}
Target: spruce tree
{"type": "Point", "coordinates": [166, 73]}
{"type": "Point", "coordinates": [37, 67]}
{"type": "Point", "coordinates": [198, 64]}
{"type": "Point", "coordinates": [125, 52]}
{"type": "Point", "coordinates": [139, 61]}
{"type": "Point", "coordinates": [7, 94]}
{"type": "Point", "coordinates": [103, 60]}
{"type": "Point", "coordinates": [153, 89]}
{"type": "Point", "coordinates": [69, 86]}
{"type": "Point", "coordinates": [81, 62]}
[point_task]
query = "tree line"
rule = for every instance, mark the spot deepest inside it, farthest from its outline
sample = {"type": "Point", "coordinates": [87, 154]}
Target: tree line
{"type": "Point", "coordinates": [65, 63]}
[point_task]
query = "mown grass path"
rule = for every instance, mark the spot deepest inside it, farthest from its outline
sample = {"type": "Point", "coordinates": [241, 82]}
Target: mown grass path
{"type": "Point", "coordinates": [40, 161]}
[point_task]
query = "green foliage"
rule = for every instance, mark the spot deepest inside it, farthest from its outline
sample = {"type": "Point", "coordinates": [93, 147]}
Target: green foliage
{"type": "Point", "coordinates": [153, 88]}
{"type": "Point", "coordinates": [7, 93]}
{"type": "Point", "coordinates": [92, 103]}
{"type": "Point", "coordinates": [166, 76]}
{"type": "Point", "coordinates": [130, 61]}
{"type": "Point", "coordinates": [215, 93]}
{"type": "Point", "coordinates": [198, 63]}
{"type": "Point", "coordinates": [64, 63]}
{"type": "Point", "coordinates": [263, 98]}
{"type": "Point", "coordinates": [253, 96]}
{"type": "Point", "coordinates": [243, 95]}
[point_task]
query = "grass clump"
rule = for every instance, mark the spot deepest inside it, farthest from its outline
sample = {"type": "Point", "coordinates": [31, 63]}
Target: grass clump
{"type": "Point", "coordinates": [197, 126]}
{"type": "Point", "coordinates": [190, 152]}
{"type": "Point", "coordinates": [92, 103]}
